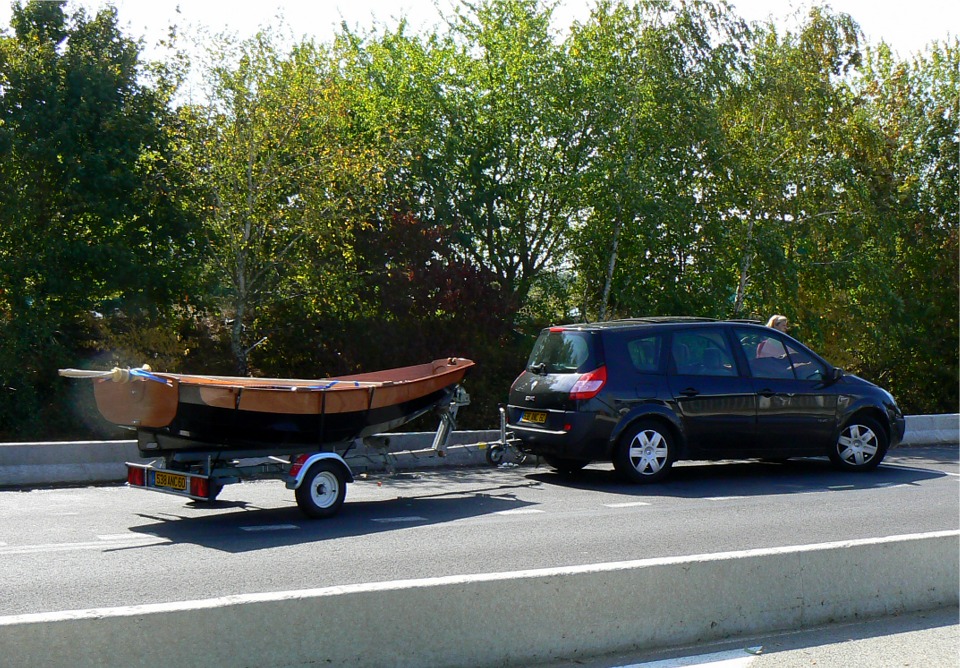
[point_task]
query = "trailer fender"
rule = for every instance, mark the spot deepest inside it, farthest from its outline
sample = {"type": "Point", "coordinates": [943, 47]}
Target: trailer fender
{"type": "Point", "coordinates": [303, 463]}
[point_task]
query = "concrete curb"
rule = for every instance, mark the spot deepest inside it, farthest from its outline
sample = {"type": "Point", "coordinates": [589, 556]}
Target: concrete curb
{"type": "Point", "coordinates": [92, 462]}
{"type": "Point", "coordinates": [932, 429]}
{"type": "Point", "coordinates": [551, 614]}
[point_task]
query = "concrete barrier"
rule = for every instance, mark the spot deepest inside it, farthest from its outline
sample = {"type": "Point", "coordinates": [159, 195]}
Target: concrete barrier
{"type": "Point", "coordinates": [509, 619]}
{"type": "Point", "coordinates": [932, 430]}
{"type": "Point", "coordinates": [91, 462]}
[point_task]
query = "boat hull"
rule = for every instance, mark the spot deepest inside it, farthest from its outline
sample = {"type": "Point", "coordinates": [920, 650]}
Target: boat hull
{"type": "Point", "coordinates": [181, 412]}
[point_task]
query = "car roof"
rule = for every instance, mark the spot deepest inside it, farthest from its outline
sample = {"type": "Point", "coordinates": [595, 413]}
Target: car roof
{"type": "Point", "coordinates": [627, 323]}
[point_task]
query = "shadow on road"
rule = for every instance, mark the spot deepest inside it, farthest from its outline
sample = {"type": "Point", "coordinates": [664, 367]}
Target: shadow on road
{"type": "Point", "coordinates": [237, 526]}
{"type": "Point", "coordinates": [696, 480]}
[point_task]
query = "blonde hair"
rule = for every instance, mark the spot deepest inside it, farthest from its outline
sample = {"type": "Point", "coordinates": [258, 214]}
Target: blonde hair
{"type": "Point", "coordinates": [776, 320]}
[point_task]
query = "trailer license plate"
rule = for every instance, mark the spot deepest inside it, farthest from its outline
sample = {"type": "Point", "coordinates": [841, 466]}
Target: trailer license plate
{"type": "Point", "coordinates": [537, 417]}
{"type": "Point", "coordinates": [171, 480]}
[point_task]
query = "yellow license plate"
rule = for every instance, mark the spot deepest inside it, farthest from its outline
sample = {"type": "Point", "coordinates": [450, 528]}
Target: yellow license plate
{"type": "Point", "coordinates": [171, 480]}
{"type": "Point", "coordinates": [537, 417]}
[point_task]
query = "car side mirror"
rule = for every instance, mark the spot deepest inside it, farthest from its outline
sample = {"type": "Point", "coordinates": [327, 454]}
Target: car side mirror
{"type": "Point", "coordinates": [834, 374]}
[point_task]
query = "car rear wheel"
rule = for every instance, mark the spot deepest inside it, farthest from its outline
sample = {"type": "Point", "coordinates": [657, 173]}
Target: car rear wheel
{"type": "Point", "coordinates": [645, 453]}
{"type": "Point", "coordinates": [861, 446]}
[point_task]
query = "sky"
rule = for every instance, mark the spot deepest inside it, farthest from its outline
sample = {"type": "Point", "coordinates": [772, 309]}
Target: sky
{"type": "Point", "coordinates": [907, 26]}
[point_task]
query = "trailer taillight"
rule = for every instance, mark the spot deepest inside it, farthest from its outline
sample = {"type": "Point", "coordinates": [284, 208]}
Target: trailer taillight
{"type": "Point", "coordinates": [136, 476]}
{"type": "Point", "coordinates": [297, 465]}
{"type": "Point", "coordinates": [199, 487]}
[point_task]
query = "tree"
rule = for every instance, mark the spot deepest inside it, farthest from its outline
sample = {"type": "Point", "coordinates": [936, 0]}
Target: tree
{"type": "Point", "coordinates": [87, 221]}
{"type": "Point", "coordinates": [649, 76]}
{"type": "Point", "coordinates": [913, 106]}
{"type": "Point", "coordinates": [283, 181]}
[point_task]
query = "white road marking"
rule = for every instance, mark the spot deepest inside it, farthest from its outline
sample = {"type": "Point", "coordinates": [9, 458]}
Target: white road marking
{"type": "Point", "coordinates": [735, 658]}
{"type": "Point", "coordinates": [917, 469]}
{"type": "Point", "coordinates": [388, 520]}
{"type": "Point", "coordinates": [628, 504]}
{"type": "Point", "coordinates": [519, 511]}
{"type": "Point", "coordinates": [131, 541]}
{"type": "Point", "coordinates": [270, 527]}
{"type": "Point", "coordinates": [722, 498]}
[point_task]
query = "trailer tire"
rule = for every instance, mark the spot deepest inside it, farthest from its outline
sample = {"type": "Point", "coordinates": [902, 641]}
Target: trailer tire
{"type": "Point", "coordinates": [323, 489]}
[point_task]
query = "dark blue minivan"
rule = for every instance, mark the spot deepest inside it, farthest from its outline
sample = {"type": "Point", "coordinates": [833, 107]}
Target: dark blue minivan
{"type": "Point", "coordinates": [646, 392]}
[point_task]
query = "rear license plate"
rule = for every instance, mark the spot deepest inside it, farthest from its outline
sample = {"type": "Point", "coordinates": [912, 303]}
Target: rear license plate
{"type": "Point", "coordinates": [536, 417]}
{"type": "Point", "coordinates": [171, 481]}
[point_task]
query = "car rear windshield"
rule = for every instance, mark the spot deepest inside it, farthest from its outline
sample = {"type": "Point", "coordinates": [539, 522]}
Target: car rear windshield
{"type": "Point", "coordinates": [564, 351]}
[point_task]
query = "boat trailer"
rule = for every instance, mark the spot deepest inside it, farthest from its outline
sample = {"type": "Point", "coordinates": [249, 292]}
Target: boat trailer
{"type": "Point", "coordinates": [319, 478]}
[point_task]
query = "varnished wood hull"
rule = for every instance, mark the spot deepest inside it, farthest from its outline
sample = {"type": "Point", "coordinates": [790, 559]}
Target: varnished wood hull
{"type": "Point", "coordinates": [204, 412]}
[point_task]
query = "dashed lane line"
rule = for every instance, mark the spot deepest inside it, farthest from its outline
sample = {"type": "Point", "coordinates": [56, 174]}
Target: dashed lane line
{"type": "Point", "coordinates": [270, 527]}
{"type": "Point", "coordinates": [100, 544]}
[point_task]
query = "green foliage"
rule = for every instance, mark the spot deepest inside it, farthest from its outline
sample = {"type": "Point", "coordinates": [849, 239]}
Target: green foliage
{"type": "Point", "coordinates": [87, 221]}
{"type": "Point", "coordinates": [391, 198]}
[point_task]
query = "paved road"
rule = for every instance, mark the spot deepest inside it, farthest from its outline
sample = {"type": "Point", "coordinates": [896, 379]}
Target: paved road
{"type": "Point", "coordinates": [63, 549]}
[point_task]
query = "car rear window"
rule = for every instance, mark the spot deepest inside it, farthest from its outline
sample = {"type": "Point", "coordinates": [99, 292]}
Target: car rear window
{"type": "Point", "coordinates": [563, 351]}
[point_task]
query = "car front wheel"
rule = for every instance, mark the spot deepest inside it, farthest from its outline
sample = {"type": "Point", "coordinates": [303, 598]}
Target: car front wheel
{"type": "Point", "coordinates": [645, 453]}
{"type": "Point", "coordinates": [861, 446]}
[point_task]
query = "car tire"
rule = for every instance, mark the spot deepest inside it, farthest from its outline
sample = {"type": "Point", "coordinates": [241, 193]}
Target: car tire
{"type": "Point", "coordinates": [645, 452]}
{"type": "Point", "coordinates": [861, 445]}
{"type": "Point", "coordinates": [564, 465]}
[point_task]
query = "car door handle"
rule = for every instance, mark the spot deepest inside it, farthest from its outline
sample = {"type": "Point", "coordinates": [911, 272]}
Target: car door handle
{"type": "Point", "coordinates": [690, 392]}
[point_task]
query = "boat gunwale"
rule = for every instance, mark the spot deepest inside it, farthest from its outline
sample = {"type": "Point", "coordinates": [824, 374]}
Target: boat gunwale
{"type": "Point", "coordinates": [329, 384]}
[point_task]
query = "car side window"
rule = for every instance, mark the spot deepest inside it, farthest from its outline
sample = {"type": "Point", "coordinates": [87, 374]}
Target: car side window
{"type": "Point", "coordinates": [804, 365]}
{"type": "Point", "coordinates": [770, 356]}
{"type": "Point", "coordinates": [645, 353]}
{"type": "Point", "coordinates": [766, 355]}
{"type": "Point", "coordinates": [703, 352]}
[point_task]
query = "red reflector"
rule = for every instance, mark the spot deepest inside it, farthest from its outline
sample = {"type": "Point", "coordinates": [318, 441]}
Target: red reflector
{"type": "Point", "coordinates": [199, 487]}
{"type": "Point", "coordinates": [136, 476]}
{"type": "Point", "coordinates": [297, 465]}
{"type": "Point", "coordinates": [568, 427]}
{"type": "Point", "coordinates": [557, 329]}
{"type": "Point", "coordinates": [589, 384]}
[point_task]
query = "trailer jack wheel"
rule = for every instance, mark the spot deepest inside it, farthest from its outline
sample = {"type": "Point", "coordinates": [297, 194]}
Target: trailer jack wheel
{"type": "Point", "coordinates": [323, 490]}
{"type": "Point", "coordinates": [495, 455]}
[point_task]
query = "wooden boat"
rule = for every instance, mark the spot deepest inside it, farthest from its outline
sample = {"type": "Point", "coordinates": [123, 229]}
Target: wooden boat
{"type": "Point", "coordinates": [179, 412]}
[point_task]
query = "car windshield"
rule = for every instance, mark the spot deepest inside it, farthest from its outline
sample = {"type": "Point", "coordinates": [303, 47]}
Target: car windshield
{"type": "Point", "coordinates": [561, 351]}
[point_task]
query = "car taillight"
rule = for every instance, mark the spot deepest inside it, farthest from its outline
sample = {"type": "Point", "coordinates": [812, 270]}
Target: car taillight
{"type": "Point", "coordinates": [589, 384]}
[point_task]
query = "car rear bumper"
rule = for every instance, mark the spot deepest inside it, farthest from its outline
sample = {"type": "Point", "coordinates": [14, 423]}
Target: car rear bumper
{"type": "Point", "coordinates": [565, 434]}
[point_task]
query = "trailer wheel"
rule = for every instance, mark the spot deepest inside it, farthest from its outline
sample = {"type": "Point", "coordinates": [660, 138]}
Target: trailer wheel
{"type": "Point", "coordinates": [322, 491]}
